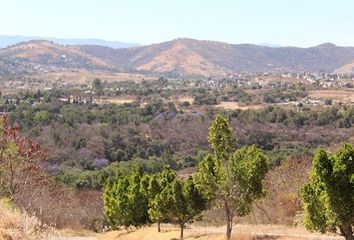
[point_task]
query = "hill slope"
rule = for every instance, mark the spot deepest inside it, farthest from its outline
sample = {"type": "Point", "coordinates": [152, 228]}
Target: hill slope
{"type": "Point", "coordinates": [180, 57]}
{"type": "Point", "coordinates": [346, 69]}
{"type": "Point", "coordinates": [37, 55]}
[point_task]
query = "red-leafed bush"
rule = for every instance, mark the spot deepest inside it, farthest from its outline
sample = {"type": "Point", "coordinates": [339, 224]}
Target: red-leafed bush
{"type": "Point", "coordinates": [18, 158]}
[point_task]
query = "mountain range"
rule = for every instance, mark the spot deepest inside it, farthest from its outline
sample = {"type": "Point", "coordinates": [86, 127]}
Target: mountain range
{"type": "Point", "coordinates": [6, 41]}
{"type": "Point", "coordinates": [178, 58]}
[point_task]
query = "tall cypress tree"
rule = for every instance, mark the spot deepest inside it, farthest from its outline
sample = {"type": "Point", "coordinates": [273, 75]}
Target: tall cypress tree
{"type": "Point", "coordinates": [231, 178]}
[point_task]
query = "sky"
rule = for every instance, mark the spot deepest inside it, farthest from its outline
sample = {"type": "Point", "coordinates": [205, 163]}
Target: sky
{"type": "Point", "coordinates": [301, 23]}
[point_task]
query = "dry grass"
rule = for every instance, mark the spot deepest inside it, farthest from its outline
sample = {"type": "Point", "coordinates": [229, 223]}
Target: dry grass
{"type": "Point", "coordinates": [115, 100]}
{"type": "Point", "coordinates": [180, 57]}
{"type": "Point", "coordinates": [35, 50]}
{"type": "Point", "coordinates": [236, 105]}
{"type": "Point", "coordinates": [167, 233]}
{"type": "Point", "coordinates": [15, 225]}
{"type": "Point", "coordinates": [339, 95]}
{"type": "Point", "coordinates": [240, 232]}
{"type": "Point", "coordinates": [69, 232]}
{"type": "Point", "coordinates": [185, 99]}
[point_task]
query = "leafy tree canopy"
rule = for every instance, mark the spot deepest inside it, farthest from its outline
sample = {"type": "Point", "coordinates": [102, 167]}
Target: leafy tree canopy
{"type": "Point", "coordinates": [329, 194]}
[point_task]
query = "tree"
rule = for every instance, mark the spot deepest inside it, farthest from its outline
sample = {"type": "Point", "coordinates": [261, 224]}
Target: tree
{"type": "Point", "coordinates": [98, 86]}
{"type": "Point", "coordinates": [174, 200]}
{"type": "Point", "coordinates": [41, 117]}
{"type": "Point", "coordinates": [18, 158]}
{"type": "Point", "coordinates": [171, 107]}
{"type": "Point", "coordinates": [329, 194]}
{"type": "Point", "coordinates": [154, 211]}
{"type": "Point", "coordinates": [231, 179]}
{"type": "Point", "coordinates": [125, 200]}
{"type": "Point", "coordinates": [187, 202]}
{"type": "Point", "coordinates": [328, 102]}
{"type": "Point", "coordinates": [158, 191]}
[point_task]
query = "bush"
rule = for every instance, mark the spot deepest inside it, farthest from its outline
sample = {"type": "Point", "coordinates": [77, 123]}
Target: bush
{"type": "Point", "coordinates": [328, 102]}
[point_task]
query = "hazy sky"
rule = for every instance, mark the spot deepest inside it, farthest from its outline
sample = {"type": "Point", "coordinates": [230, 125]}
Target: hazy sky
{"type": "Point", "coordinates": [284, 22]}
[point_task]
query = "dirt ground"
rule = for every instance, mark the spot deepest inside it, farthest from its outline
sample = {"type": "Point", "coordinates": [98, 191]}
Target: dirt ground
{"type": "Point", "coordinates": [240, 232]}
{"type": "Point", "coordinates": [236, 105]}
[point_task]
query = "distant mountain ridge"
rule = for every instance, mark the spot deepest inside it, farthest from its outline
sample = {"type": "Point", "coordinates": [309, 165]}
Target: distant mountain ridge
{"type": "Point", "coordinates": [6, 41]}
{"type": "Point", "coordinates": [178, 58]}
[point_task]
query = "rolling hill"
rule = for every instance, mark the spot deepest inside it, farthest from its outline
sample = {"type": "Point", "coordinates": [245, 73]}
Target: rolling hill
{"type": "Point", "coordinates": [39, 55]}
{"type": "Point", "coordinates": [180, 57]}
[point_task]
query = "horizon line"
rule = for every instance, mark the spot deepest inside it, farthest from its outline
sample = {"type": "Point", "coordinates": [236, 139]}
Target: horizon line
{"type": "Point", "coordinates": [262, 44]}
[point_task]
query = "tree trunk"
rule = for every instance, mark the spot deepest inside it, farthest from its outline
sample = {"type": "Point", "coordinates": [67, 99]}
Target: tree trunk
{"type": "Point", "coordinates": [182, 227]}
{"type": "Point", "coordinates": [228, 221]}
{"type": "Point", "coordinates": [347, 232]}
{"type": "Point", "coordinates": [158, 226]}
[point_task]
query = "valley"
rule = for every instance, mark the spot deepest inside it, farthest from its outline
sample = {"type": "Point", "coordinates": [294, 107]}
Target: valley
{"type": "Point", "coordinates": [166, 120]}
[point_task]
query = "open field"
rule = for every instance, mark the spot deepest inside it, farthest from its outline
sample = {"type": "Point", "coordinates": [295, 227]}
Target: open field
{"type": "Point", "coordinates": [185, 99]}
{"type": "Point", "coordinates": [115, 100]}
{"type": "Point", "coordinates": [236, 105]}
{"type": "Point", "coordinates": [338, 95]}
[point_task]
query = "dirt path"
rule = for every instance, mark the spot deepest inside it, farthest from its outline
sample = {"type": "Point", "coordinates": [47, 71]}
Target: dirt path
{"type": "Point", "coordinates": [260, 232]}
